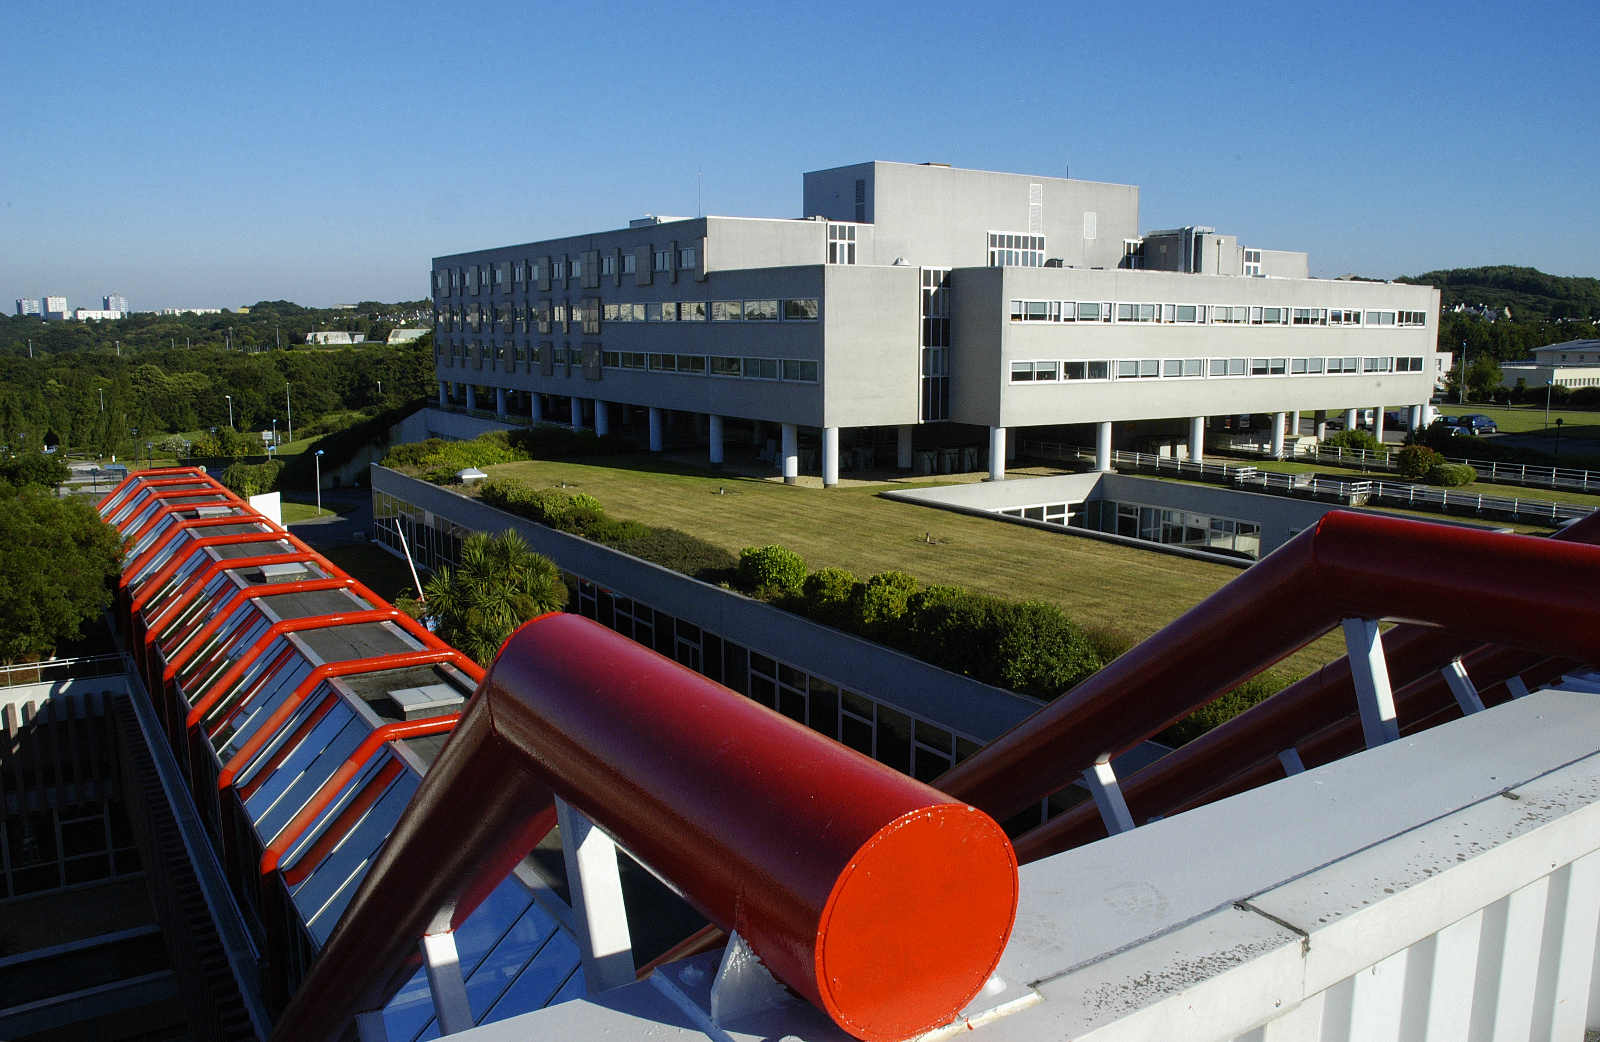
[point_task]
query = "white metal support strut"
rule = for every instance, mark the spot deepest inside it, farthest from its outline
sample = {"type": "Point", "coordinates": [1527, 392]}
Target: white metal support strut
{"type": "Point", "coordinates": [1370, 671]}
{"type": "Point", "coordinates": [1101, 780]}
{"type": "Point", "coordinates": [596, 888]}
{"type": "Point", "coordinates": [1461, 686]}
{"type": "Point", "coordinates": [443, 964]}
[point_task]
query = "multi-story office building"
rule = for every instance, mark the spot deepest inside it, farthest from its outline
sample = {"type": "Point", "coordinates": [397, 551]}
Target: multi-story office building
{"type": "Point", "coordinates": [55, 308]}
{"type": "Point", "coordinates": [919, 296]}
{"type": "Point", "coordinates": [27, 306]}
{"type": "Point", "coordinates": [115, 302]}
{"type": "Point", "coordinates": [96, 314]}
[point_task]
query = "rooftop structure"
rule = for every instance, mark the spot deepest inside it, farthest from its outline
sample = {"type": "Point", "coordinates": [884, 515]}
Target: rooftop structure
{"type": "Point", "coordinates": [1402, 842]}
{"type": "Point", "coordinates": [913, 303]}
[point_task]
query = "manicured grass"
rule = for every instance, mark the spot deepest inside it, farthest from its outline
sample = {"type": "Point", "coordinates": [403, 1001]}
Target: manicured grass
{"type": "Point", "coordinates": [1110, 588]}
{"type": "Point", "coordinates": [386, 574]}
{"type": "Point", "coordinates": [294, 513]}
{"type": "Point", "coordinates": [1520, 419]}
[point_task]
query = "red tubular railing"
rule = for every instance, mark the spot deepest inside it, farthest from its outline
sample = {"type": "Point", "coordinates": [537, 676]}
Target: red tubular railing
{"type": "Point", "coordinates": [175, 606]}
{"type": "Point", "coordinates": [330, 789]}
{"type": "Point", "coordinates": [154, 584]}
{"type": "Point", "coordinates": [169, 508]}
{"type": "Point", "coordinates": [171, 474]}
{"type": "Point", "coordinates": [1243, 752]}
{"type": "Point", "coordinates": [873, 895]}
{"type": "Point", "coordinates": [238, 597]}
{"type": "Point", "coordinates": [1485, 587]}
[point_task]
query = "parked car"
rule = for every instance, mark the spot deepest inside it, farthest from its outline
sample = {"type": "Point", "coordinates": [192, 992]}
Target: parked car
{"type": "Point", "coordinates": [1397, 419]}
{"type": "Point", "coordinates": [1478, 423]}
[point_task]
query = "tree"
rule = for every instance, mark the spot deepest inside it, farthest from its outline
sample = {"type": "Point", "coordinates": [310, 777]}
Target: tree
{"type": "Point", "coordinates": [41, 607]}
{"type": "Point", "coordinates": [500, 584]}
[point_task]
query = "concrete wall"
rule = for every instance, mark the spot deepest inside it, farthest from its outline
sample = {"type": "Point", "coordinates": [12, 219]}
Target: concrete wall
{"type": "Point", "coordinates": [938, 216]}
{"type": "Point", "coordinates": [872, 369]}
{"type": "Point", "coordinates": [960, 703]}
{"type": "Point", "coordinates": [987, 342]}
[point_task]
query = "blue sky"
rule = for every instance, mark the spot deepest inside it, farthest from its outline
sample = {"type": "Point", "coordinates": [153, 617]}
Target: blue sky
{"type": "Point", "coordinates": [215, 154]}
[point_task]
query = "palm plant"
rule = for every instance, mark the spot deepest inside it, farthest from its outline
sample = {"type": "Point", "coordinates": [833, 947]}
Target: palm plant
{"type": "Point", "coordinates": [499, 584]}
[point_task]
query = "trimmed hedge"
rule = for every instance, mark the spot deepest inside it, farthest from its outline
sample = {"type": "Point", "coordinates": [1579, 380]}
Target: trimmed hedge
{"type": "Point", "coordinates": [825, 597]}
{"type": "Point", "coordinates": [773, 568]}
{"type": "Point", "coordinates": [252, 479]}
{"type": "Point", "coordinates": [1414, 461]}
{"type": "Point", "coordinates": [1354, 439]}
{"type": "Point", "coordinates": [1451, 475]}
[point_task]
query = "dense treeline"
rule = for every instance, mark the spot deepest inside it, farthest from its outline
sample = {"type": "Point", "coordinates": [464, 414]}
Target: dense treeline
{"type": "Point", "coordinates": [267, 325]}
{"type": "Point", "coordinates": [1531, 294]}
{"type": "Point", "coordinates": [101, 401]}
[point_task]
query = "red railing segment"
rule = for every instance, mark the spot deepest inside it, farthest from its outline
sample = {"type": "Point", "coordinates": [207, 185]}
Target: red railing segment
{"type": "Point", "coordinates": [143, 476]}
{"type": "Point", "coordinates": [353, 765]}
{"type": "Point", "coordinates": [237, 598]}
{"type": "Point", "coordinates": [155, 583]}
{"type": "Point", "coordinates": [241, 760]}
{"type": "Point", "coordinates": [162, 612]}
{"type": "Point", "coordinates": [169, 507]}
{"type": "Point", "coordinates": [871, 894]}
{"type": "Point", "coordinates": [182, 527]}
{"type": "Point", "coordinates": [1485, 587]}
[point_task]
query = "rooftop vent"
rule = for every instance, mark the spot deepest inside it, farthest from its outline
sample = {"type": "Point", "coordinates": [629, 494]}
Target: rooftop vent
{"type": "Point", "coordinates": [415, 703]}
{"type": "Point", "coordinates": [212, 511]}
{"type": "Point", "coordinates": [289, 571]}
{"type": "Point", "coordinates": [470, 474]}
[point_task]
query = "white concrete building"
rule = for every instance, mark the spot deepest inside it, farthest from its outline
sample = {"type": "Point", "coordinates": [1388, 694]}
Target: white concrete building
{"type": "Point", "coordinates": [912, 300]}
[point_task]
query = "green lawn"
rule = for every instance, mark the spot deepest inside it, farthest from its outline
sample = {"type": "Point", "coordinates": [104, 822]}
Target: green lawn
{"type": "Point", "coordinates": [1110, 588]}
{"type": "Point", "coordinates": [1519, 419]}
{"type": "Point", "coordinates": [294, 513]}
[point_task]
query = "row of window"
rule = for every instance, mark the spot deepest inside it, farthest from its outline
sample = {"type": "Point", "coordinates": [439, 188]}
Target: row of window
{"type": "Point", "coordinates": [1203, 314]}
{"type": "Point", "coordinates": [1052, 370]}
{"type": "Point", "coordinates": [1224, 535]}
{"type": "Point", "coordinates": [591, 312]}
{"type": "Point", "coordinates": [791, 370]}
{"type": "Point", "coordinates": [497, 275]}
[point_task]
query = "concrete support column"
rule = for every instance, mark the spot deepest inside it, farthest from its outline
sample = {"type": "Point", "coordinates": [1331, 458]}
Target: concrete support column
{"type": "Point", "coordinates": [500, 402]}
{"type": "Point", "coordinates": [602, 419]}
{"type": "Point", "coordinates": [1414, 417]}
{"type": "Point", "coordinates": [791, 454]}
{"type": "Point", "coordinates": [755, 434]}
{"type": "Point", "coordinates": [472, 397]}
{"type": "Point", "coordinates": [1377, 424]}
{"type": "Point", "coordinates": [576, 404]}
{"type": "Point", "coordinates": [655, 429]}
{"type": "Point", "coordinates": [997, 453]}
{"type": "Point", "coordinates": [536, 407]}
{"type": "Point", "coordinates": [902, 455]}
{"type": "Point", "coordinates": [830, 457]}
{"type": "Point", "coordinates": [1349, 419]}
{"type": "Point", "coordinates": [1102, 446]}
{"type": "Point", "coordinates": [444, 393]}
{"type": "Point", "coordinates": [1012, 437]}
{"type": "Point", "coordinates": [1321, 420]}
{"type": "Point", "coordinates": [1294, 425]}
{"type": "Point", "coordinates": [1197, 439]}
{"type": "Point", "coordinates": [1277, 435]}
{"type": "Point", "coordinates": [714, 438]}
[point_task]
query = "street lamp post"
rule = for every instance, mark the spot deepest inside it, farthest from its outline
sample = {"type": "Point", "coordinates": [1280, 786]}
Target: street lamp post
{"type": "Point", "coordinates": [1558, 440]}
{"type": "Point", "coordinates": [316, 459]}
{"type": "Point", "coordinates": [380, 389]}
{"type": "Point", "coordinates": [230, 410]}
{"type": "Point", "coordinates": [1461, 397]}
{"type": "Point", "coordinates": [272, 447]}
{"type": "Point", "coordinates": [1549, 385]}
{"type": "Point", "coordinates": [288, 409]}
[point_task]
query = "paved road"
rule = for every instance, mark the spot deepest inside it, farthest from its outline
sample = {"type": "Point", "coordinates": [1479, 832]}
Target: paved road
{"type": "Point", "coordinates": [353, 523]}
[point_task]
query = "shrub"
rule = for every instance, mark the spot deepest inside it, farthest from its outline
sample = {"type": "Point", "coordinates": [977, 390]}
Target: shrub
{"type": "Point", "coordinates": [252, 479]}
{"type": "Point", "coordinates": [1039, 651]}
{"type": "Point", "coordinates": [879, 604]}
{"type": "Point", "coordinates": [771, 569]}
{"type": "Point", "coordinates": [34, 468]}
{"type": "Point", "coordinates": [1354, 439]}
{"type": "Point", "coordinates": [1450, 475]}
{"type": "Point", "coordinates": [1414, 461]}
{"type": "Point", "coordinates": [826, 596]}
{"type": "Point", "coordinates": [681, 552]}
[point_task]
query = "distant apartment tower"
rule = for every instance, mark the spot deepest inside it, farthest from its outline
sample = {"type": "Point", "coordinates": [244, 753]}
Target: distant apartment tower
{"type": "Point", "coordinates": [55, 309]}
{"type": "Point", "coordinates": [27, 306]}
{"type": "Point", "coordinates": [115, 302]}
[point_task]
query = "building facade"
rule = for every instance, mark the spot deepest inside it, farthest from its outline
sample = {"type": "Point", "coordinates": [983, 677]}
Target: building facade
{"type": "Point", "coordinates": [27, 306]}
{"type": "Point", "coordinates": [115, 302]}
{"type": "Point", "coordinates": [912, 299]}
{"type": "Point", "coordinates": [55, 308]}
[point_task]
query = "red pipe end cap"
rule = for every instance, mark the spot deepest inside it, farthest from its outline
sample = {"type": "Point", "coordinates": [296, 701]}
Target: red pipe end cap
{"type": "Point", "coordinates": [916, 922]}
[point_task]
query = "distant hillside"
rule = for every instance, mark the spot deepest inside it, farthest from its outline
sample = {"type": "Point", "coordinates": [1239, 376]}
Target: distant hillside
{"type": "Point", "coordinates": [1528, 292]}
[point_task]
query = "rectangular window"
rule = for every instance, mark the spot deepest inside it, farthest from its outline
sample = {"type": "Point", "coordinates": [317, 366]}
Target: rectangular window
{"type": "Point", "coordinates": [724, 365]}
{"type": "Point", "coordinates": [1343, 317]}
{"type": "Point", "coordinates": [669, 311]}
{"type": "Point", "coordinates": [802, 310]}
{"type": "Point", "coordinates": [1021, 372]}
{"type": "Point", "coordinates": [1091, 312]}
{"type": "Point", "coordinates": [687, 258]}
{"type": "Point", "coordinates": [726, 310]}
{"type": "Point", "coordinates": [608, 264]}
{"type": "Point", "coordinates": [760, 368]}
{"type": "Point", "coordinates": [558, 270]}
{"type": "Point", "coordinates": [1227, 315]}
{"type": "Point", "coordinates": [1015, 250]}
{"type": "Point", "coordinates": [663, 260]}
{"type": "Point", "coordinates": [1083, 370]}
{"type": "Point", "coordinates": [1313, 365]}
{"type": "Point", "coordinates": [629, 263]}
{"type": "Point", "coordinates": [1413, 318]}
{"type": "Point", "coordinates": [800, 370]}
{"type": "Point", "coordinates": [1310, 316]}
{"type": "Point", "coordinates": [695, 364]}
{"type": "Point", "coordinates": [652, 312]}
{"type": "Point", "coordinates": [761, 311]}
{"type": "Point", "coordinates": [841, 244]}
{"type": "Point", "coordinates": [692, 311]}
{"type": "Point", "coordinates": [1258, 366]}
{"type": "Point", "coordinates": [663, 363]}
{"type": "Point", "coordinates": [1298, 365]}
{"type": "Point", "coordinates": [1136, 312]}
{"type": "Point", "coordinates": [1380, 318]}
{"type": "Point", "coordinates": [577, 267]}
